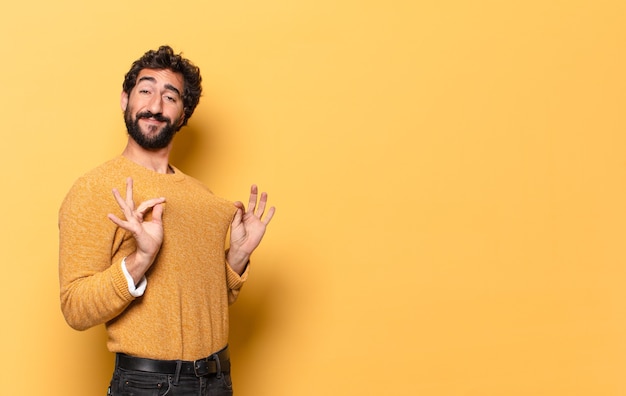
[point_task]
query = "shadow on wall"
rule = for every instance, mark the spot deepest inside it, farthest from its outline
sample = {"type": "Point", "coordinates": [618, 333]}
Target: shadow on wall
{"type": "Point", "coordinates": [184, 153]}
{"type": "Point", "coordinates": [91, 358]}
{"type": "Point", "coordinates": [255, 318]}
{"type": "Point", "coordinates": [254, 312]}
{"type": "Point", "coordinates": [191, 153]}
{"type": "Point", "coordinates": [271, 322]}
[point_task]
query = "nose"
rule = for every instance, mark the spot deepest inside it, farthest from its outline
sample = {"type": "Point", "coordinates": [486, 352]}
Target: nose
{"type": "Point", "coordinates": [156, 104]}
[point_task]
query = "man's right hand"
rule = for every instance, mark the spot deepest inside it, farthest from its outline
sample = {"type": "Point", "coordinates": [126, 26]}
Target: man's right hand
{"type": "Point", "coordinates": [148, 234]}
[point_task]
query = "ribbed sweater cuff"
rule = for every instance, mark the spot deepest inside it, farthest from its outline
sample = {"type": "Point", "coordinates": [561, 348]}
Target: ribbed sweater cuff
{"type": "Point", "coordinates": [233, 279]}
{"type": "Point", "coordinates": [120, 282]}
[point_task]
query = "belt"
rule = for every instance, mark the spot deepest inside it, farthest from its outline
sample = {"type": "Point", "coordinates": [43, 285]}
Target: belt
{"type": "Point", "coordinates": [217, 363]}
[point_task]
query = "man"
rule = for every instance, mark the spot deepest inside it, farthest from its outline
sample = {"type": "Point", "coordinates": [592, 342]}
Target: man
{"type": "Point", "coordinates": [156, 272]}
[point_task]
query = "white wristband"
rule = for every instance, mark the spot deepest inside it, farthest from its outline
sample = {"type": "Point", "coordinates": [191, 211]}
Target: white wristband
{"type": "Point", "coordinates": [135, 290]}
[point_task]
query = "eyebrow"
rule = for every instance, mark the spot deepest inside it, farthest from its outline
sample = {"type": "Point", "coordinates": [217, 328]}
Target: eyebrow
{"type": "Point", "coordinates": [167, 86]}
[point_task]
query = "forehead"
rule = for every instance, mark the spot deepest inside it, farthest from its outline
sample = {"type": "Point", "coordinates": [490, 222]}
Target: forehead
{"type": "Point", "coordinates": [161, 77]}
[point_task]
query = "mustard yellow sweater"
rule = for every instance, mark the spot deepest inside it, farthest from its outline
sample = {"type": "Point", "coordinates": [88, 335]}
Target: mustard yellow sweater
{"type": "Point", "coordinates": [183, 313]}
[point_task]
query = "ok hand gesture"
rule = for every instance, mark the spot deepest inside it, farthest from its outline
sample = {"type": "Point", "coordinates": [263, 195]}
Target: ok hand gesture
{"type": "Point", "coordinates": [148, 234]}
{"type": "Point", "coordinates": [247, 229]}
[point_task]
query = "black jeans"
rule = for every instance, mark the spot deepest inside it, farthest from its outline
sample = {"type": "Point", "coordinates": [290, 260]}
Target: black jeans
{"type": "Point", "coordinates": [140, 383]}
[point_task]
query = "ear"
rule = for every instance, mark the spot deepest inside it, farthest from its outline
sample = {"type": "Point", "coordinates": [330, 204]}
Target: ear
{"type": "Point", "coordinates": [181, 121]}
{"type": "Point", "coordinates": [124, 100]}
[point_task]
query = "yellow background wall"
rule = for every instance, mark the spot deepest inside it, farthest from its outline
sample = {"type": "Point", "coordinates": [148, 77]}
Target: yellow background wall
{"type": "Point", "coordinates": [450, 178]}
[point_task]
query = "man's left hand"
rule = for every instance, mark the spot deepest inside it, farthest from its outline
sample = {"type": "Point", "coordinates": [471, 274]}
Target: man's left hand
{"type": "Point", "coordinates": [247, 229]}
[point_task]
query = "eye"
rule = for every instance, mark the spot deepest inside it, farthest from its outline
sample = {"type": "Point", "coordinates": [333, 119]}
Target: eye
{"type": "Point", "coordinates": [170, 98]}
{"type": "Point", "coordinates": [144, 91]}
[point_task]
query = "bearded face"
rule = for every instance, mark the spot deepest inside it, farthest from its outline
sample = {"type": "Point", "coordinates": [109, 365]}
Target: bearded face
{"type": "Point", "coordinates": [152, 137]}
{"type": "Point", "coordinates": [154, 110]}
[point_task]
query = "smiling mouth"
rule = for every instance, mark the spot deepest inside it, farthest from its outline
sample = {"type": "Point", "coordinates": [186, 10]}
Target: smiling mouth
{"type": "Point", "coordinates": [147, 115]}
{"type": "Point", "coordinates": [151, 120]}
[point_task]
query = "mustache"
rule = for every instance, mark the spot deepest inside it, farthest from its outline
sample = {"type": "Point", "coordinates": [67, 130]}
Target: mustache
{"type": "Point", "coordinates": [159, 117]}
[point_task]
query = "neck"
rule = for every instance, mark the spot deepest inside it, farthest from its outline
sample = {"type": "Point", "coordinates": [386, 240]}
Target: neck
{"type": "Point", "coordinates": [156, 160]}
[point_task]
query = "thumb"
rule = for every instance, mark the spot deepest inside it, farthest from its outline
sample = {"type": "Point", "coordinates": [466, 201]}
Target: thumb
{"type": "Point", "coordinates": [157, 213]}
{"type": "Point", "coordinates": [238, 215]}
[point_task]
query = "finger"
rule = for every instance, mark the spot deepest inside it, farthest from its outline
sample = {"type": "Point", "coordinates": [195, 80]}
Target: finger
{"type": "Point", "coordinates": [253, 196]}
{"type": "Point", "coordinates": [145, 206]}
{"type": "Point", "coordinates": [129, 193]}
{"type": "Point", "coordinates": [157, 213]}
{"type": "Point", "coordinates": [119, 199]}
{"type": "Point", "coordinates": [238, 215]}
{"type": "Point", "coordinates": [119, 222]}
{"type": "Point", "coordinates": [270, 214]}
{"type": "Point", "coordinates": [262, 202]}
{"type": "Point", "coordinates": [128, 212]}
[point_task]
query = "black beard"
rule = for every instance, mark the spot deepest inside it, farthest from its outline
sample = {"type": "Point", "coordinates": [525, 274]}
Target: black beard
{"type": "Point", "coordinates": [159, 141]}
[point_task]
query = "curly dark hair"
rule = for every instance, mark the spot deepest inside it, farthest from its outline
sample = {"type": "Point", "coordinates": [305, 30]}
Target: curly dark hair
{"type": "Point", "coordinates": [165, 58]}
